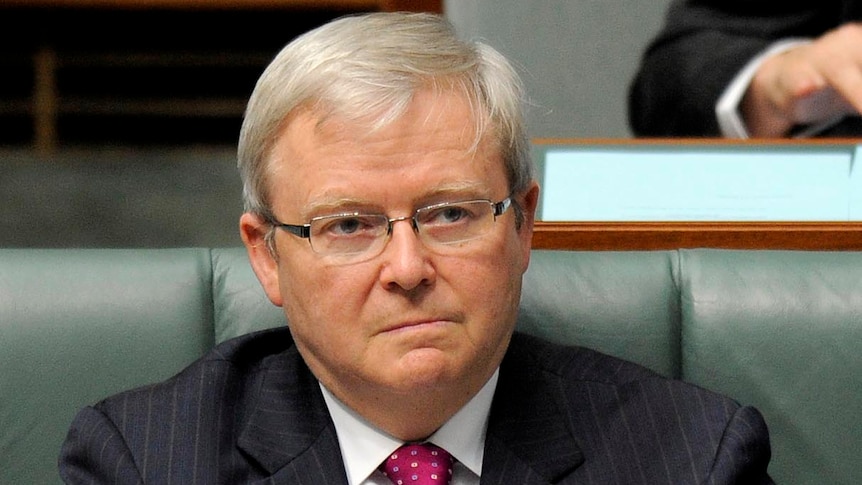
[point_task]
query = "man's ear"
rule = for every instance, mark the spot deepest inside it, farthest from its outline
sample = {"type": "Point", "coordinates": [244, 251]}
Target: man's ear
{"type": "Point", "coordinates": [529, 204]}
{"type": "Point", "coordinates": [253, 231]}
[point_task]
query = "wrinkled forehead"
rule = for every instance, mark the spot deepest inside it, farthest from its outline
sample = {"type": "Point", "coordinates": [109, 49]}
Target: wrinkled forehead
{"type": "Point", "coordinates": [433, 145]}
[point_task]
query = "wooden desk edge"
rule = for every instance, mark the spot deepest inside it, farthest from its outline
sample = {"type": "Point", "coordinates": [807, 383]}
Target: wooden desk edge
{"type": "Point", "coordinates": [630, 236]}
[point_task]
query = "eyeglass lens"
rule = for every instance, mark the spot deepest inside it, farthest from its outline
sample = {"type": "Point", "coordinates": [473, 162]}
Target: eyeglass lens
{"type": "Point", "coordinates": [358, 234]}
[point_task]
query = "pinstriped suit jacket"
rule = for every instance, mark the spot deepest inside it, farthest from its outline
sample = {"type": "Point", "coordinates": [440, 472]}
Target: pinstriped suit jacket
{"type": "Point", "coordinates": [251, 412]}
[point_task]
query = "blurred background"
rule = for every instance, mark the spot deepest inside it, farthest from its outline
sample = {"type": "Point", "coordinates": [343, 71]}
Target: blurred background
{"type": "Point", "coordinates": [119, 119]}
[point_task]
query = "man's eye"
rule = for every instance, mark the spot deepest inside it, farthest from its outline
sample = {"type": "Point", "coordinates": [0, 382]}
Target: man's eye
{"type": "Point", "coordinates": [346, 226]}
{"type": "Point", "coordinates": [350, 226]}
{"type": "Point", "coordinates": [449, 215]}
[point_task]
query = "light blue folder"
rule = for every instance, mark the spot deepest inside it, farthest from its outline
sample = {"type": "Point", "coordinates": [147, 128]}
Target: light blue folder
{"type": "Point", "coordinates": [693, 182]}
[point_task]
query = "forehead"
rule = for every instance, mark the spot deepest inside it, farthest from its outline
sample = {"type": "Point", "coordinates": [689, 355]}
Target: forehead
{"type": "Point", "coordinates": [437, 142]}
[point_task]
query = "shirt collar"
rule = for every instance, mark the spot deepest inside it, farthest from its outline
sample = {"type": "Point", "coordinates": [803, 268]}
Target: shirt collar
{"type": "Point", "coordinates": [364, 447]}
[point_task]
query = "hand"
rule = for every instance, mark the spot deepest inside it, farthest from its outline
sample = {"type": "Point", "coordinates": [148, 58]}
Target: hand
{"type": "Point", "coordinates": [806, 84]}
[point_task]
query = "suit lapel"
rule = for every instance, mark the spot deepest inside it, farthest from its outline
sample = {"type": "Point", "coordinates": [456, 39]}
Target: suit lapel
{"type": "Point", "coordinates": [290, 434]}
{"type": "Point", "coordinates": [527, 440]}
{"type": "Point", "coordinates": [289, 431]}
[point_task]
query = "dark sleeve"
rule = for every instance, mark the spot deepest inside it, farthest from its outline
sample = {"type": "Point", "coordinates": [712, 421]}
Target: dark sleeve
{"type": "Point", "coordinates": [95, 453]}
{"type": "Point", "coordinates": [700, 49]}
{"type": "Point", "coordinates": [743, 452]}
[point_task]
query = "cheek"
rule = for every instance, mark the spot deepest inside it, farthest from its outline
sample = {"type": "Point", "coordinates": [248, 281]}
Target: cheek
{"type": "Point", "coordinates": [492, 287]}
{"type": "Point", "coordinates": [321, 303]}
{"type": "Point", "coordinates": [510, 267]}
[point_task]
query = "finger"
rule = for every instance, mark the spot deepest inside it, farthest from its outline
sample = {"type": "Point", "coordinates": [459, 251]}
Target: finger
{"type": "Point", "coordinates": [847, 82]}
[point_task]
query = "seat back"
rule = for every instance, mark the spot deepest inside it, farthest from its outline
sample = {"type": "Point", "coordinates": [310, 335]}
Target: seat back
{"type": "Point", "coordinates": [78, 325]}
{"type": "Point", "coordinates": [782, 330]}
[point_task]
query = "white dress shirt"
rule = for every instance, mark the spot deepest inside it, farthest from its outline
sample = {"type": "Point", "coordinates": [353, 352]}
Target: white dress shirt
{"type": "Point", "coordinates": [364, 447]}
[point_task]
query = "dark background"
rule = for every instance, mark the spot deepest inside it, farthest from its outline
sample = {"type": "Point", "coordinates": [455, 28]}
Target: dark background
{"type": "Point", "coordinates": [147, 106]}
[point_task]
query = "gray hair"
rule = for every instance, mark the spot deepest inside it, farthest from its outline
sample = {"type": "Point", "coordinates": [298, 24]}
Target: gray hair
{"type": "Point", "coordinates": [372, 65]}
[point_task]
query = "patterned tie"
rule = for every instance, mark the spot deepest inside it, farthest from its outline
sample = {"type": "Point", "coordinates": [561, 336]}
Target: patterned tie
{"type": "Point", "coordinates": [418, 464]}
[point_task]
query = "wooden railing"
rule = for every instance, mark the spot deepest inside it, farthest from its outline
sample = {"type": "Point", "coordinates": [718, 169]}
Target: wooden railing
{"type": "Point", "coordinates": [621, 236]}
{"type": "Point", "coordinates": [50, 99]}
{"type": "Point", "coordinates": [384, 5]}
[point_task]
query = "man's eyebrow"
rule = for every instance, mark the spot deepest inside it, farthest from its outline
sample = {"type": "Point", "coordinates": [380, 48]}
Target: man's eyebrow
{"type": "Point", "coordinates": [460, 189]}
{"type": "Point", "coordinates": [341, 205]}
{"type": "Point", "coordinates": [462, 186]}
{"type": "Point", "coordinates": [338, 206]}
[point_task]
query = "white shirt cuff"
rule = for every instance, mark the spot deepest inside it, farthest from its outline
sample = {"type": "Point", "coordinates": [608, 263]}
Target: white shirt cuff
{"type": "Point", "coordinates": [727, 108]}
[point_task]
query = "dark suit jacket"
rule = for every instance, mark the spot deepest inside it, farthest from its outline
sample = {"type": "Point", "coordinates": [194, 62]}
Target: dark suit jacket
{"type": "Point", "coordinates": [251, 412]}
{"type": "Point", "coordinates": [705, 43]}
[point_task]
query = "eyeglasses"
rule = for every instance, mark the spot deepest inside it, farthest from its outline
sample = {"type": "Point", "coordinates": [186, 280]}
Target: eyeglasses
{"type": "Point", "coordinates": [354, 236]}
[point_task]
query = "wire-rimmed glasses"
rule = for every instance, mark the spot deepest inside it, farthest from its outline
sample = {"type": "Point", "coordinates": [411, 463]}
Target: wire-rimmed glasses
{"type": "Point", "coordinates": [354, 236]}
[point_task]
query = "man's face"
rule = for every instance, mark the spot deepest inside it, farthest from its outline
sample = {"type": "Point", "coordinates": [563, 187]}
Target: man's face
{"type": "Point", "coordinates": [410, 319]}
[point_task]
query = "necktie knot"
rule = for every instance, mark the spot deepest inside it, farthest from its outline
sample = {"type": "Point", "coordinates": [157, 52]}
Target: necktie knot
{"type": "Point", "coordinates": [418, 464]}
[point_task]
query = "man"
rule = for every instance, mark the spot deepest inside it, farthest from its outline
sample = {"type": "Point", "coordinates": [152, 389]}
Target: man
{"type": "Point", "coordinates": [752, 69]}
{"type": "Point", "coordinates": [389, 210]}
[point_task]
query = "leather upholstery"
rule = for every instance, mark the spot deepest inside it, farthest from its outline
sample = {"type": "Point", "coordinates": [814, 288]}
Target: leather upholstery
{"type": "Point", "coordinates": [783, 330]}
{"type": "Point", "coordinates": [780, 330]}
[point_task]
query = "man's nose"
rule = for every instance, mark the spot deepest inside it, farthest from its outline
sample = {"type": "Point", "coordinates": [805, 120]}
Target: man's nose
{"type": "Point", "coordinates": [406, 262]}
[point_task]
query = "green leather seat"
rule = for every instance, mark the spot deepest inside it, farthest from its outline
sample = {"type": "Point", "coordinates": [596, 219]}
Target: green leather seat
{"type": "Point", "coordinates": [76, 325]}
{"type": "Point", "coordinates": [783, 330]}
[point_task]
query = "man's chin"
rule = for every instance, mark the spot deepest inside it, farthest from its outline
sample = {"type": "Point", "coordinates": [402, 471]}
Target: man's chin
{"type": "Point", "coordinates": [425, 367]}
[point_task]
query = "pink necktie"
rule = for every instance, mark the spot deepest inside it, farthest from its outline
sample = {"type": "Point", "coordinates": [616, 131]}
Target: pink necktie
{"type": "Point", "coordinates": [418, 464]}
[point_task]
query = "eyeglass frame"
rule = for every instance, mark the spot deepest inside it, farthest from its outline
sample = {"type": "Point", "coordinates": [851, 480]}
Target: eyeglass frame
{"type": "Point", "coordinates": [304, 230]}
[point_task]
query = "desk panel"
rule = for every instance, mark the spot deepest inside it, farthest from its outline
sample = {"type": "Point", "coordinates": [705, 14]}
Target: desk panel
{"type": "Point", "coordinates": [673, 181]}
{"type": "Point", "coordinates": [649, 195]}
